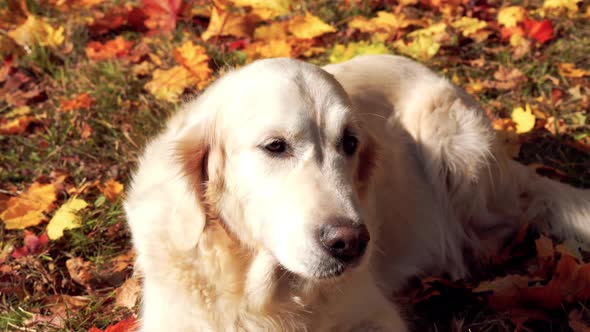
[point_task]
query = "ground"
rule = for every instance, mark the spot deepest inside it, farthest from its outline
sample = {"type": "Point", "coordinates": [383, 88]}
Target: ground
{"type": "Point", "coordinates": [84, 84]}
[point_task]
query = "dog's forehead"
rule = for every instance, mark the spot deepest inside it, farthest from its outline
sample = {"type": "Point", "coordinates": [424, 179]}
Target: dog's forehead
{"type": "Point", "coordinates": [289, 95]}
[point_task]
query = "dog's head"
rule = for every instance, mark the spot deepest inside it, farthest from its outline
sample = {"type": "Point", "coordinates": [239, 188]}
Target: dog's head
{"type": "Point", "coordinates": [275, 152]}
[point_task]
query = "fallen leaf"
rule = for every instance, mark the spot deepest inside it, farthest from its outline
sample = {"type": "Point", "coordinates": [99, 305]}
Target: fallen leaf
{"type": "Point", "coordinates": [524, 119]}
{"type": "Point", "coordinates": [506, 79]}
{"type": "Point", "coordinates": [423, 47]}
{"type": "Point", "coordinates": [126, 296]}
{"type": "Point", "coordinates": [384, 26]}
{"type": "Point", "coordinates": [169, 84]}
{"type": "Point", "coordinates": [80, 270]}
{"type": "Point", "coordinates": [161, 14]}
{"type": "Point", "coordinates": [27, 209]}
{"type": "Point", "coordinates": [273, 48]}
{"type": "Point", "coordinates": [577, 322]}
{"type": "Point", "coordinates": [342, 53]}
{"type": "Point", "coordinates": [80, 101]}
{"type": "Point", "coordinates": [569, 70]}
{"type": "Point", "coordinates": [472, 28]}
{"type": "Point", "coordinates": [129, 324]}
{"type": "Point", "coordinates": [32, 245]}
{"type": "Point", "coordinates": [195, 59]}
{"type": "Point", "coordinates": [65, 218]}
{"type": "Point", "coordinates": [511, 16]}
{"type": "Point", "coordinates": [116, 48]}
{"type": "Point", "coordinates": [223, 23]}
{"type": "Point", "coordinates": [308, 26]}
{"type": "Point", "coordinates": [545, 251]}
{"type": "Point", "coordinates": [111, 189]}
{"type": "Point", "coordinates": [540, 31]}
{"type": "Point", "coordinates": [569, 5]}
{"type": "Point", "coordinates": [15, 126]}
{"type": "Point", "coordinates": [266, 9]}
{"type": "Point", "coordinates": [36, 31]}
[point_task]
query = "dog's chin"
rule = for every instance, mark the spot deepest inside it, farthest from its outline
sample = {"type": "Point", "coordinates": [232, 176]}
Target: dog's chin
{"type": "Point", "coordinates": [326, 271]}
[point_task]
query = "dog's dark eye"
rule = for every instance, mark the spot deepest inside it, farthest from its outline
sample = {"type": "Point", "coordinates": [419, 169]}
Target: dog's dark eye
{"type": "Point", "coordinates": [276, 146]}
{"type": "Point", "coordinates": [349, 143]}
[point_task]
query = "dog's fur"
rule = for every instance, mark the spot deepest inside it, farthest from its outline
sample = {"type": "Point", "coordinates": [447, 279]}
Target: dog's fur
{"type": "Point", "coordinates": [226, 234]}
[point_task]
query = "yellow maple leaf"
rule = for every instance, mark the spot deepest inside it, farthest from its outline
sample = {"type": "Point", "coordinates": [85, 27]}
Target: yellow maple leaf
{"type": "Point", "coordinates": [224, 23]}
{"type": "Point", "coordinates": [524, 119]}
{"type": "Point", "coordinates": [569, 5]}
{"type": "Point", "coordinates": [342, 53]}
{"type": "Point", "coordinates": [469, 26]}
{"type": "Point", "coordinates": [195, 59]}
{"type": "Point", "coordinates": [37, 32]}
{"type": "Point", "coordinates": [569, 70]}
{"type": "Point", "coordinates": [274, 30]}
{"type": "Point", "coordinates": [274, 48]}
{"type": "Point", "coordinates": [511, 16]}
{"type": "Point", "coordinates": [384, 25]}
{"type": "Point", "coordinates": [423, 47]}
{"type": "Point", "coordinates": [111, 189]}
{"type": "Point", "coordinates": [308, 26]}
{"type": "Point", "coordinates": [169, 84]}
{"type": "Point", "coordinates": [437, 31]}
{"type": "Point", "coordinates": [27, 209]}
{"type": "Point", "coordinates": [265, 9]}
{"type": "Point", "coordinates": [65, 217]}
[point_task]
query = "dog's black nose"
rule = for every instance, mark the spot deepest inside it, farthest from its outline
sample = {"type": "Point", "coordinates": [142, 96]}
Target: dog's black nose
{"type": "Point", "coordinates": [344, 240]}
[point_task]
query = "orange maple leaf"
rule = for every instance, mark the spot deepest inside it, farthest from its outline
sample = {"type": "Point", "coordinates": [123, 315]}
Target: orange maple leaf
{"type": "Point", "coordinates": [111, 189]}
{"type": "Point", "coordinates": [15, 126]}
{"type": "Point", "coordinates": [116, 48]}
{"type": "Point", "coordinates": [81, 101]}
{"type": "Point", "coordinates": [161, 14]}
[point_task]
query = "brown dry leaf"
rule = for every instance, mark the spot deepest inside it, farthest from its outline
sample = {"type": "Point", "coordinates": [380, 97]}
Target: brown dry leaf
{"type": "Point", "coordinates": [122, 262]}
{"type": "Point", "coordinates": [111, 189]}
{"type": "Point", "coordinates": [126, 296]}
{"type": "Point", "coordinates": [385, 25]}
{"type": "Point", "coordinates": [506, 79]}
{"type": "Point", "coordinates": [169, 84]}
{"type": "Point", "coordinates": [274, 30]}
{"type": "Point", "coordinates": [556, 126]}
{"type": "Point", "coordinates": [80, 271]}
{"type": "Point", "coordinates": [224, 23]}
{"type": "Point", "coordinates": [505, 290]}
{"type": "Point", "coordinates": [545, 251]}
{"type": "Point", "coordinates": [27, 209]}
{"type": "Point", "coordinates": [308, 26]}
{"type": "Point", "coordinates": [116, 48]}
{"type": "Point", "coordinates": [80, 101]}
{"type": "Point", "coordinates": [577, 322]}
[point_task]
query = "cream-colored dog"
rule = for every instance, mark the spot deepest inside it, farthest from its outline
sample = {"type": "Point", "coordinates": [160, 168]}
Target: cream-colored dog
{"type": "Point", "coordinates": [288, 197]}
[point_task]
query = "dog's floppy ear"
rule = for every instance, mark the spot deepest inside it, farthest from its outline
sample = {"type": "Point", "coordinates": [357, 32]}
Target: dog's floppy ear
{"type": "Point", "coordinates": [200, 158]}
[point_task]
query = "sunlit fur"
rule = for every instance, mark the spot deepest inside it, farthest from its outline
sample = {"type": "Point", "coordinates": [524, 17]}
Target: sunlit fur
{"type": "Point", "coordinates": [226, 234]}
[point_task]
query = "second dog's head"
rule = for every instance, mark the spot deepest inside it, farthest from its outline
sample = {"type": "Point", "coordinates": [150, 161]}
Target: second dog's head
{"type": "Point", "coordinates": [276, 153]}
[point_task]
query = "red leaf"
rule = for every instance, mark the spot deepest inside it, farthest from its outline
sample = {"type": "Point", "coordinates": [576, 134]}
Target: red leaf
{"type": "Point", "coordinates": [540, 31]}
{"type": "Point", "coordinates": [32, 245]}
{"type": "Point", "coordinates": [161, 14]}
{"type": "Point", "coordinates": [128, 324]}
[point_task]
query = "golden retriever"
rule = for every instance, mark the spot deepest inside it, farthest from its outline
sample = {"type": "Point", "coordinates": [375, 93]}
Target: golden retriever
{"type": "Point", "coordinates": [289, 197]}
